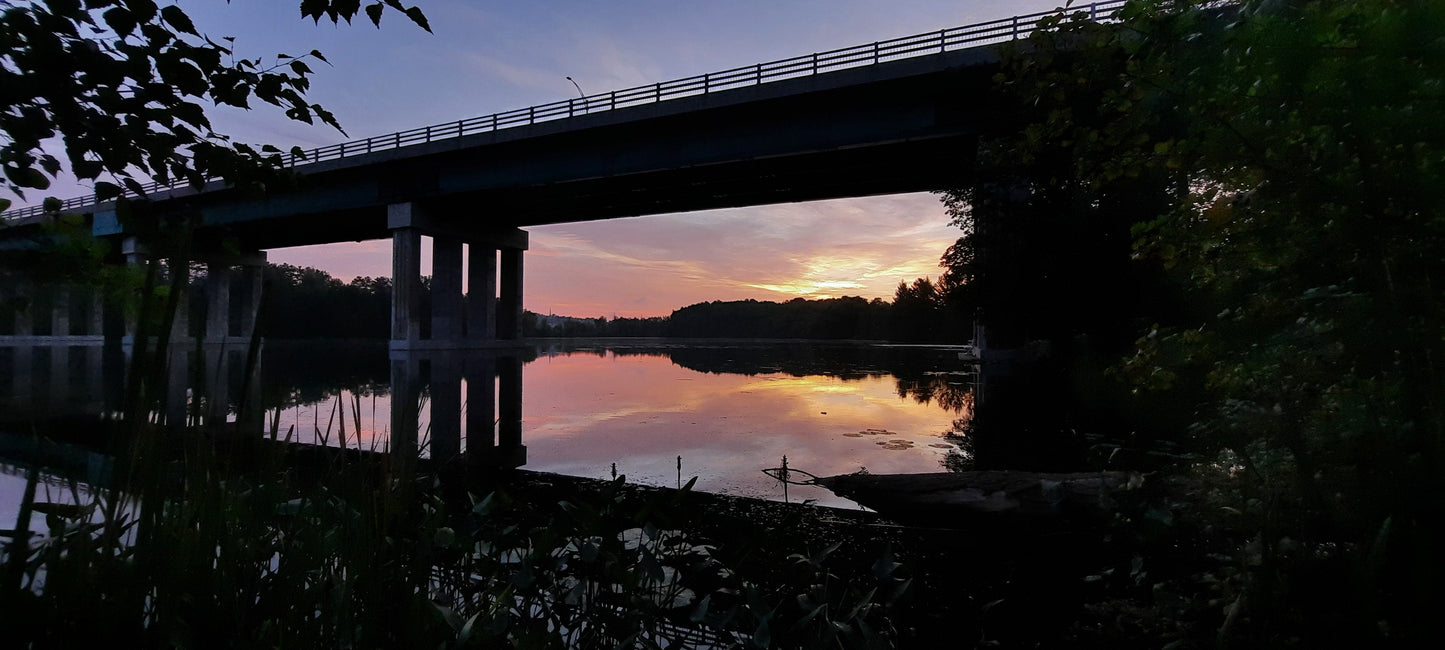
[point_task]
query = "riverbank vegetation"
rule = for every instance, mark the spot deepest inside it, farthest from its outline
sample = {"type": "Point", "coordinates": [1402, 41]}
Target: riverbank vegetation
{"type": "Point", "coordinates": [1280, 314]}
{"type": "Point", "coordinates": [1217, 230]}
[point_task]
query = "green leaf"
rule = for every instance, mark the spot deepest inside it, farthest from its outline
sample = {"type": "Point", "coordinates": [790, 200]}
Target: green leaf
{"type": "Point", "coordinates": [416, 16]}
{"type": "Point", "coordinates": [373, 12]}
{"type": "Point", "coordinates": [317, 54]}
{"type": "Point", "coordinates": [120, 20]}
{"type": "Point", "coordinates": [175, 17]}
{"type": "Point", "coordinates": [763, 635]}
{"type": "Point", "coordinates": [300, 68]}
{"type": "Point", "coordinates": [143, 10]}
{"type": "Point", "coordinates": [4, 204]}
{"type": "Point", "coordinates": [314, 9]}
{"type": "Point", "coordinates": [885, 566]}
{"type": "Point", "coordinates": [28, 177]}
{"type": "Point", "coordinates": [63, 7]}
{"type": "Point", "coordinates": [106, 191]}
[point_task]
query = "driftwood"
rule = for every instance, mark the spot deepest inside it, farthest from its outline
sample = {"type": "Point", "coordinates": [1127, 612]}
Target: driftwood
{"type": "Point", "coordinates": [952, 498]}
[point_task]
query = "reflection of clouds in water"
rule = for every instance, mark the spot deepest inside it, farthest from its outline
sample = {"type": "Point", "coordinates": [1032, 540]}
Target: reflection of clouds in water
{"type": "Point", "coordinates": [641, 409]}
{"type": "Point", "coordinates": [584, 412]}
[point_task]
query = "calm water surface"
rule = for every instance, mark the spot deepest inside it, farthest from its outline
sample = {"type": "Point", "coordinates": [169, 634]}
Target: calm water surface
{"type": "Point", "coordinates": [728, 410]}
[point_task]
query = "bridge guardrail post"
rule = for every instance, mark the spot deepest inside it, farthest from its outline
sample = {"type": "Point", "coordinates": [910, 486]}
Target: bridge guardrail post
{"type": "Point", "coordinates": [1016, 27]}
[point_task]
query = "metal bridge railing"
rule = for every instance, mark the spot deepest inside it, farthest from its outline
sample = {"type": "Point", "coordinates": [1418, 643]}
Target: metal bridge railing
{"type": "Point", "coordinates": [799, 66]}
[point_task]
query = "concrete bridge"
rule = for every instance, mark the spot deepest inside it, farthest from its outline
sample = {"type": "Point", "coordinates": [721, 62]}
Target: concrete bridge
{"type": "Point", "coordinates": [894, 116]}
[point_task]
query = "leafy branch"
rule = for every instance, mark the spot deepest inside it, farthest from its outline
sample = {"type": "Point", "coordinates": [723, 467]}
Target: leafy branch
{"type": "Point", "coordinates": [122, 85]}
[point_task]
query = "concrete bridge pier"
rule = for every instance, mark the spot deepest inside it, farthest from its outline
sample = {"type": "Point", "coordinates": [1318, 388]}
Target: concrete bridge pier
{"type": "Point", "coordinates": [24, 314]}
{"type": "Point", "coordinates": [43, 315]}
{"type": "Point", "coordinates": [229, 278]}
{"type": "Point", "coordinates": [60, 311]}
{"type": "Point", "coordinates": [481, 319]}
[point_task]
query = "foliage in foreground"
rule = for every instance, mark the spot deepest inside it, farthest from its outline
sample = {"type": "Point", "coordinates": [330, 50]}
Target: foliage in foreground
{"type": "Point", "coordinates": [1281, 163]}
{"type": "Point", "coordinates": [374, 555]}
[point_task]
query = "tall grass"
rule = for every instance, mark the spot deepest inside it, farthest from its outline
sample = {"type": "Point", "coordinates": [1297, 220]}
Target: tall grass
{"type": "Point", "coordinates": [219, 536]}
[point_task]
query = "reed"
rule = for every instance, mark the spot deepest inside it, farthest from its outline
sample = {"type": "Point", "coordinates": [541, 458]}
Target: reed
{"type": "Point", "coordinates": [235, 536]}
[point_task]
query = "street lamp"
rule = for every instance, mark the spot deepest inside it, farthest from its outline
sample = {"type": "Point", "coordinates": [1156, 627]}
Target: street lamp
{"type": "Point", "coordinates": [580, 95]}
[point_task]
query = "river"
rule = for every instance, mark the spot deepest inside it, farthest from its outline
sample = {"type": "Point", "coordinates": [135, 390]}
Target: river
{"type": "Point", "coordinates": [657, 411]}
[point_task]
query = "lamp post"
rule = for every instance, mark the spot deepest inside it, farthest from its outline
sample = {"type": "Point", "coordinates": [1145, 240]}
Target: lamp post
{"type": "Point", "coordinates": [579, 94]}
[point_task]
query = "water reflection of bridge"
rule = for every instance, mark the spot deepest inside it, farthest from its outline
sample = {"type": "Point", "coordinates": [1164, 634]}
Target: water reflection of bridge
{"type": "Point", "coordinates": [482, 424]}
{"type": "Point", "coordinates": [448, 406]}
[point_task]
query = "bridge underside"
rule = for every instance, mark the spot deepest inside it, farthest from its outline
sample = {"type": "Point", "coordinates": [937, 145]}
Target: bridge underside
{"type": "Point", "coordinates": [902, 126]}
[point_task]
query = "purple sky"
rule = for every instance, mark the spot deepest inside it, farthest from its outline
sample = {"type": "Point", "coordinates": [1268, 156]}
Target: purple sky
{"type": "Point", "coordinates": [487, 56]}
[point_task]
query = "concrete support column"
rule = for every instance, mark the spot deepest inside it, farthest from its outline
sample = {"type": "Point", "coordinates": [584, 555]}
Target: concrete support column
{"type": "Point", "coordinates": [446, 289]}
{"type": "Point", "coordinates": [481, 293]}
{"type": "Point", "coordinates": [486, 319]}
{"type": "Point", "coordinates": [181, 323]}
{"type": "Point", "coordinates": [253, 281]}
{"type": "Point", "coordinates": [60, 311]}
{"type": "Point", "coordinates": [218, 302]}
{"type": "Point", "coordinates": [509, 309]}
{"type": "Point", "coordinates": [446, 407]}
{"type": "Point", "coordinates": [509, 410]}
{"type": "Point", "coordinates": [406, 286]}
{"type": "Point", "coordinates": [59, 396]}
{"type": "Point", "coordinates": [405, 397]}
{"type": "Point", "coordinates": [24, 313]}
{"type": "Point", "coordinates": [94, 381]}
{"type": "Point", "coordinates": [96, 326]}
{"type": "Point", "coordinates": [133, 251]}
{"type": "Point", "coordinates": [481, 375]}
{"type": "Point", "coordinates": [134, 254]}
{"type": "Point", "coordinates": [22, 384]}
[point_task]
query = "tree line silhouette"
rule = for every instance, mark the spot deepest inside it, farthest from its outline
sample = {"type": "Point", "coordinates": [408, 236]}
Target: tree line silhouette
{"type": "Point", "coordinates": [308, 303]}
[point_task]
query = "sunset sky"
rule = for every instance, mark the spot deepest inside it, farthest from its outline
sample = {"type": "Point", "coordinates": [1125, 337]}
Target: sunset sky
{"type": "Point", "coordinates": [487, 56]}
